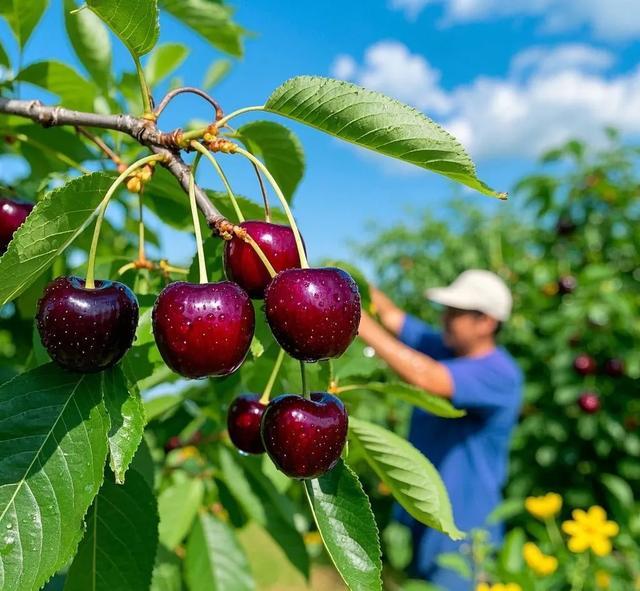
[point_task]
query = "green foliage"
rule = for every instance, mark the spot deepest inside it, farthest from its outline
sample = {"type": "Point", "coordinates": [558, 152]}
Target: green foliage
{"type": "Point", "coordinates": [374, 121]}
{"type": "Point", "coordinates": [163, 61]}
{"type": "Point", "coordinates": [343, 515]}
{"type": "Point", "coordinates": [23, 16]}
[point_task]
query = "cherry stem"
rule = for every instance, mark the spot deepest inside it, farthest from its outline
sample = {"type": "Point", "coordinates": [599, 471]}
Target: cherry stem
{"type": "Point", "coordinates": [265, 199]}
{"type": "Point", "coordinates": [303, 375]}
{"type": "Point", "coordinates": [292, 222]}
{"type": "Point", "coordinates": [196, 222]}
{"type": "Point", "coordinates": [200, 148]}
{"type": "Point", "coordinates": [263, 257]}
{"type": "Point", "coordinates": [141, 255]}
{"type": "Point", "coordinates": [222, 122]}
{"type": "Point", "coordinates": [102, 208]}
{"type": "Point", "coordinates": [264, 399]}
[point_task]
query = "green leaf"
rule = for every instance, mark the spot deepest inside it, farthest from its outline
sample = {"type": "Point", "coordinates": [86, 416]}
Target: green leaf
{"type": "Point", "coordinates": [178, 506]}
{"type": "Point", "coordinates": [345, 521]}
{"type": "Point", "coordinates": [433, 404]}
{"type": "Point", "coordinates": [53, 446]}
{"type": "Point", "coordinates": [374, 121]}
{"type": "Point", "coordinates": [55, 222]}
{"type": "Point", "coordinates": [163, 61]}
{"type": "Point", "coordinates": [127, 421]}
{"type": "Point", "coordinates": [455, 562]}
{"type": "Point", "coordinates": [90, 40]}
{"type": "Point", "coordinates": [212, 20]}
{"type": "Point", "coordinates": [23, 16]}
{"type": "Point", "coordinates": [279, 148]}
{"type": "Point", "coordinates": [4, 58]}
{"type": "Point", "coordinates": [215, 560]}
{"type": "Point", "coordinates": [167, 575]}
{"type": "Point", "coordinates": [413, 480]}
{"type": "Point", "coordinates": [135, 22]}
{"type": "Point", "coordinates": [216, 72]}
{"type": "Point", "coordinates": [118, 550]}
{"type": "Point", "coordinates": [74, 91]}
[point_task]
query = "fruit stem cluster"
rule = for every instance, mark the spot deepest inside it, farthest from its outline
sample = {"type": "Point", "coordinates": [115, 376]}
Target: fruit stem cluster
{"type": "Point", "coordinates": [196, 222]}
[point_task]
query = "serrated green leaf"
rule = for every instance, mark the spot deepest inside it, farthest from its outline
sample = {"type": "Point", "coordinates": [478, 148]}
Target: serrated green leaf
{"type": "Point", "coordinates": [417, 397]}
{"type": "Point", "coordinates": [127, 421]}
{"type": "Point", "coordinates": [279, 148]}
{"type": "Point", "coordinates": [53, 447]}
{"type": "Point", "coordinates": [23, 16]}
{"type": "Point", "coordinates": [178, 506]}
{"type": "Point", "coordinates": [413, 480]}
{"type": "Point", "coordinates": [90, 40]}
{"type": "Point", "coordinates": [118, 550]}
{"type": "Point", "coordinates": [372, 120]}
{"type": "Point", "coordinates": [55, 222]}
{"type": "Point", "coordinates": [163, 61]}
{"type": "Point", "coordinates": [215, 560]}
{"type": "Point", "coordinates": [74, 91]}
{"type": "Point", "coordinates": [212, 20]}
{"type": "Point", "coordinates": [216, 72]}
{"type": "Point", "coordinates": [345, 521]}
{"type": "Point", "coordinates": [135, 22]}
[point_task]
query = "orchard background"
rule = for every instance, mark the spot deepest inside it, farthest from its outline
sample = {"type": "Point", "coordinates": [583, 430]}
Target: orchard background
{"type": "Point", "coordinates": [176, 506]}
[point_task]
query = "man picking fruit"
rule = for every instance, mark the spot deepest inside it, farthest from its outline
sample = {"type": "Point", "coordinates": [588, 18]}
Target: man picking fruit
{"type": "Point", "coordinates": [464, 364]}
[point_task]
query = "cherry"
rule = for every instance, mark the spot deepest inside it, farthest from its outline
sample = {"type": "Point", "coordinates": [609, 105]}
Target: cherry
{"type": "Point", "coordinates": [313, 313]}
{"type": "Point", "coordinates": [12, 215]}
{"type": "Point", "coordinates": [203, 329]}
{"type": "Point", "coordinates": [584, 364]}
{"type": "Point", "coordinates": [589, 402]}
{"type": "Point", "coordinates": [172, 443]}
{"type": "Point", "coordinates": [567, 284]}
{"type": "Point", "coordinates": [87, 330]}
{"type": "Point", "coordinates": [565, 226]}
{"type": "Point", "coordinates": [243, 265]}
{"type": "Point", "coordinates": [304, 438]}
{"type": "Point", "coordinates": [614, 367]}
{"type": "Point", "coordinates": [243, 422]}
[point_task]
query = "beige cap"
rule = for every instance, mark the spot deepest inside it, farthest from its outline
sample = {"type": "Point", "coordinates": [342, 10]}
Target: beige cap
{"type": "Point", "coordinates": [475, 289]}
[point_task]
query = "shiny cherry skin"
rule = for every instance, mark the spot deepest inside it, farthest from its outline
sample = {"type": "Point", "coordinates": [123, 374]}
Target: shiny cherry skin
{"type": "Point", "coordinates": [87, 330]}
{"type": "Point", "coordinates": [589, 402]}
{"type": "Point", "coordinates": [567, 285]}
{"type": "Point", "coordinates": [614, 367]}
{"type": "Point", "coordinates": [243, 422]}
{"type": "Point", "coordinates": [243, 265]}
{"type": "Point", "coordinates": [585, 365]}
{"type": "Point", "coordinates": [304, 438]}
{"type": "Point", "coordinates": [203, 329]}
{"type": "Point", "coordinates": [313, 313]}
{"type": "Point", "coordinates": [12, 215]}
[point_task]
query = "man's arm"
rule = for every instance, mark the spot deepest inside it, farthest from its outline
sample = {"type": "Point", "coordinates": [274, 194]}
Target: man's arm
{"type": "Point", "coordinates": [412, 366]}
{"type": "Point", "coordinates": [390, 315]}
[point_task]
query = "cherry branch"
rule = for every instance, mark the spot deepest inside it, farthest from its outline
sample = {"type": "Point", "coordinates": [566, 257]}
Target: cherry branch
{"type": "Point", "coordinates": [145, 132]}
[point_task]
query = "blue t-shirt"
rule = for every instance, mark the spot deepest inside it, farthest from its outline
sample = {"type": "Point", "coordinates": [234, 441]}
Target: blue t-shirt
{"type": "Point", "coordinates": [471, 452]}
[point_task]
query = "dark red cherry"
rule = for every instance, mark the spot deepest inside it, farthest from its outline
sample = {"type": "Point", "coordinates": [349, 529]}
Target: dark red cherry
{"type": "Point", "coordinates": [87, 330]}
{"type": "Point", "coordinates": [203, 329]}
{"type": "Point", "coordinates": [313, 313]}
{"type": "Point", "coordinates": [243, 422]}
{"type": "Point", "coordinates": [242, 264]}
{"type": "Point", "coordinates": [589, 402]}
{"type": "Point", "coordinates": [172, 443]}
{"type": "Point", "coordinates": [614, 367]}
{"type": "Point", "coordinates": [565, 226]}
{"type": "Point", "coordinates": [12, 215]}
{"type": "Point", "coordinates": [567, 284]}
{"type": "Point", "coordinates": [304, 438]}
{"type": "Point", "coordinates": [585, 365]}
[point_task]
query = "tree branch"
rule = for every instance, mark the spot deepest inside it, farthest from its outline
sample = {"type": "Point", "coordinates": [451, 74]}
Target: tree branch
{"type": "Point", "coordinates": [143, 131]}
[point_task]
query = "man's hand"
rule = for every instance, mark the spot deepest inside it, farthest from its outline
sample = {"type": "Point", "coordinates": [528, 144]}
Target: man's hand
{"type": "Point", "coordinates": [390, 315]}
{"type": "Point", "coordinates": [412, 366]}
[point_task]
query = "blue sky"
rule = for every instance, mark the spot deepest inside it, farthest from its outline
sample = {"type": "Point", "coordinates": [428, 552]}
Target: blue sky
{"type": "Point", "coordinates": [508, 78]}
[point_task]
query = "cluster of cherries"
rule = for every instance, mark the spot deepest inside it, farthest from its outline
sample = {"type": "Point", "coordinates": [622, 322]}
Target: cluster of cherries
{"type": "Point", "coordinates": [585, 365]}
{"type": "Point", "coordinates": [204, 330]}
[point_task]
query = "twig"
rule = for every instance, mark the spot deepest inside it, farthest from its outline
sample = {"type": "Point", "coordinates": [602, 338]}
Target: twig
{"type": "Point", "coordinates": [193, 90]}
{"type": "Point", "coordinates": [108, 152]}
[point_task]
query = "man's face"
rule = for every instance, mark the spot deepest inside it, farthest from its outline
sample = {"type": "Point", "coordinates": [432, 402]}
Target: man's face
{"type": "Point", "coordinates": [464, 328]}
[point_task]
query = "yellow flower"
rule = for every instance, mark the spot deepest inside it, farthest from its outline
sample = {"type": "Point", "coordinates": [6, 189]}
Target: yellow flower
{"type": "Point", "coordinates": [544, 507]}
{"type": "Point", "coordinates": [590, 529]}
{"type": "Point", "coordinates": [603, 579]}
{"type": "Point", "coordinates": [498, 587]}
{"type": "Point", "coordinates": [540, 563]}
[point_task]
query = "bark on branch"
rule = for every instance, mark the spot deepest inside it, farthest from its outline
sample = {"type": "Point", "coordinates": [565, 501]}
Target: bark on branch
{"type": "Point", "coordinates": [143, 131]}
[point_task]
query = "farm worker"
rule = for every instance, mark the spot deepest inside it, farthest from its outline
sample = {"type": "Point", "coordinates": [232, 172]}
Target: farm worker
{"type": "Point", "coordinates": [463, 364]}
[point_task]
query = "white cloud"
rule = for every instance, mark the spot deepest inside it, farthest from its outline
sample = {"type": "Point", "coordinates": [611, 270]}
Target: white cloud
{"type": "Point", "coordinates": [608, 19]}
{"type": "Point", "coordinates": [548, 96]}
{"type": "Point", "coordinates": [344, 66]}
